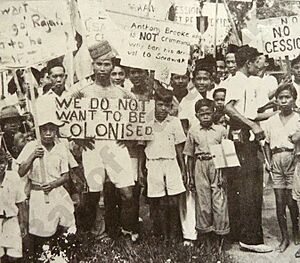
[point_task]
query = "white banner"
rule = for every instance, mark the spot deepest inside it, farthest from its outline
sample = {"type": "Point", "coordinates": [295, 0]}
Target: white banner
{"type": "Point", "coordinates": [34, 31]}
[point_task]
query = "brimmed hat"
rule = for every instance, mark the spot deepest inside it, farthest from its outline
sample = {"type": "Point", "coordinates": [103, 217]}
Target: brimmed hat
{"type": "Point", "coordinates": [9, 112]}
{"type": "Point", "coordinates": [46, 113]}
{"type": "Point", "coordinates": [103, 50]}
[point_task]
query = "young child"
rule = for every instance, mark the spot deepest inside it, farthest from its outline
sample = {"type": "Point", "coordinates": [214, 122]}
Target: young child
{"type": "Point", "coordinates": [280, 153]}
{"type": "Point", "coordinates": [45, 218]}
{"type": "Point", "coordinates": [12, 213]}
{"type": "Point", "coordinates": [211, 199]}
{"type": "Point", "coordinates": [219, 98]}
{"type": "Point", "coordinates": [165, 165]}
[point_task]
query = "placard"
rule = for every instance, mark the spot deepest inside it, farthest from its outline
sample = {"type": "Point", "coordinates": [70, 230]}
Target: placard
{"type": "Point", "coordinates": [34, 31]}
{"type": "Point", "coordinates": [102, 118]}
{"type": "Point", "coordinates": [146, 43]}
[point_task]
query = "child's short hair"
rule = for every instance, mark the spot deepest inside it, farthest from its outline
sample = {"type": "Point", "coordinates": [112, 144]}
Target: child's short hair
{"type": "Point", "coordinates": [163, 94]}
{"type": "Point", "coordinates": [290, 87]}
{"type": "Point", "coordinates": [204, 102]}
{"type": "Point", "coordinates": [295, 61]}
{"type": "Point", "coordinates": [219, 90]}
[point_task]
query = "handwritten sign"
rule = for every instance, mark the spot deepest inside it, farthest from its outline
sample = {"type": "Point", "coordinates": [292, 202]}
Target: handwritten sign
{"type": "Point", "coordinates": [281, 36]}
{"type": "Point", "coordinates": [33, 31]}
{"type": "Point", "coordinates": [147, 42]}
{"type": "Point", "coordinates": [189, 11]}
{"type": "Point", "coordinates": [94, 18]}
{"type": "Point", "coordinates": [102, 118]}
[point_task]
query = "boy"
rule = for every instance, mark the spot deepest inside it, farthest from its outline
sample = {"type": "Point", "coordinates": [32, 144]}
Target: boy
{"type": "Point", "coordinates": [12, 213]}
{"type": "Point", "coordinates": [280, 152]}
{"type": "Point", "coordinates": [219, 98]}
{"type": "Point", "coordinates": [45, 218]}
{"type": "Point", "coordinates": [166, 175]}
{"type": "Point", "coordinates": [211, 199]}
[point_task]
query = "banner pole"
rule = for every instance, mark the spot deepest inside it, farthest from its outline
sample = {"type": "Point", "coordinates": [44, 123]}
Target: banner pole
{"type": "Point", "coordinates": [37, 130]}
{"type": "Point", "coordinates": [216, 29]}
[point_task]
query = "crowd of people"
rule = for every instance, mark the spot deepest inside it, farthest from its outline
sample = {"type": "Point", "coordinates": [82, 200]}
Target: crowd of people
{"type": "Point", "coordinates": [231, 97]}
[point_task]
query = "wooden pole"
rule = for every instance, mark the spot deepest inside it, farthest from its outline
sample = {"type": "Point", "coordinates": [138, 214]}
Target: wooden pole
{"type": "Point", "coordinates": [2, 85]}
{"type": "Point", "coordinates": [288, 66]}
{"type": "Point", "coordinates": [232, 24]}
{"type": "Point", "coordinates": [216, 30]}
{"type": "Point", "coordinates": [37, 130]}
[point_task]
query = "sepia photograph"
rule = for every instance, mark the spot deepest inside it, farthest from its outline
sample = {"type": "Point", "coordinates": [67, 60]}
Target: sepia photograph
{"type": "Point", "coordinates": [149, 131]}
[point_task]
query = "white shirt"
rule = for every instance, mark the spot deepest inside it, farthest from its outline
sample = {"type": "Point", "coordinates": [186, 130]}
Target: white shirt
{"type": "Point", "coordinates": [277, 133]}
{"type": "Point", "coordinates": [243, 91]}
{"type": "Point", "coordinates": [11, 193]}
{"type": "Point", "coordinates": [166, 135]}
{"type": "Point", "coordinates": [56, 162]}
{"type": "Point", "coordinates": [186, 109]}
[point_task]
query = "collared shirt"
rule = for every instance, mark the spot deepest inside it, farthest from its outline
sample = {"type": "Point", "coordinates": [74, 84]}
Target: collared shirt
{"type": "Point", "coordinates": [11, 193]}
{"type": "Point", "coordinates": [243, 91]}
{"type": "Point", "coordinates": [56, 161]}
{"type": "Point", "coordinates": [167, 134]}
{"type": "Point", "coordinates": [277, 133]}
{"type": "Point", "coordinates": [199, 139]}
{"type": "Point", "coordinates": [186, 109]}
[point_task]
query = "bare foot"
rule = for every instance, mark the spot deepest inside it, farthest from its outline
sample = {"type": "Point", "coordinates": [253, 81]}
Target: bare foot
{"type": "Point", "coordinates": [296, 236]}
{"type": "Point", "coordinates": [283, 245]}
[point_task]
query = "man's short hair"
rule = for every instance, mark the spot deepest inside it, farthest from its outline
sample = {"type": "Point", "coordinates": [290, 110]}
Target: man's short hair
{"type": "Point", "coordinates": [204, 102]}
{"type": "Point", "coordinates": [53, 64]}
{"type": "Point", "coordinates": [219, 90]}
{"type": "Point", "coordinates": [163, 94]}
{"type": "Point", "coordinates": [244, 54]}
{"type": "Point", "coordinates": [295, 61]}
{"type": "Point", "coordinates": [232, 49]}
{"type": "Point", "coordinates": [290, 87]}
{"type": "Point", "coordinates": [206, 64]}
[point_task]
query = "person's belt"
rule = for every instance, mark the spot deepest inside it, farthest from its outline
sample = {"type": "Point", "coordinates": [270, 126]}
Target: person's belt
{"type": "Point", "coordinates": [204, 156]}
{"type": "Point", "coordinates": [36, 187]}
{"type": "Point", "coordinates": [281, 150]}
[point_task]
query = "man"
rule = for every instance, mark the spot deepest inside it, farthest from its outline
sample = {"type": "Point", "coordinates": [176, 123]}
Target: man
{"type": "Point", "coordinates": [141, 89]}
{"type": "Point", "coordinates": [109, 161]}
{"type": "Point", "coordinates": [295, 65]}
{"type": "Point", "coordinates": [245, 205]}
{"type": "Point", "coordinates": [230, 60]}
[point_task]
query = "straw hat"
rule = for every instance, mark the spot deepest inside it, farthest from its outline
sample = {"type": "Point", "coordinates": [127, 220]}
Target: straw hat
{"type": "Point", "coordinates": [9, 112]}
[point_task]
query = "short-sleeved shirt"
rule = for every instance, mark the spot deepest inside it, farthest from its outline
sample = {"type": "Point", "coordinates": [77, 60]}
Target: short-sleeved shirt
{"type": "Point", "coordinates": [277, 134]}
{"type": "Point", "coordinates": [167, 134]}
{"type": "Point", "coordinates": [243, 91]}
{"type": "Point", "coordinates": [11, 193]}
{"type": "Point", "coordinates": [186, 109]}
{"type": "Point", "coordinates": [56, 162]}
{"type": "Point", "coordinates": [199, 139]}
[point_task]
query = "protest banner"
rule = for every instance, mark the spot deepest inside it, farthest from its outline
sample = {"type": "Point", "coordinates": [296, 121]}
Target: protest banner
{"type": "Point", "coordinates": [145, 43]}
{"type": "Point", "coordinates": [280, 36]}
{"type": "Point", "coordinates": [102, 118]}
{"type": "Point", "coordinates": [33, 32]}
{"type": "Point", "coordinates": [155, 9]}
{"type": "Point", "coordinates": [190, 12]}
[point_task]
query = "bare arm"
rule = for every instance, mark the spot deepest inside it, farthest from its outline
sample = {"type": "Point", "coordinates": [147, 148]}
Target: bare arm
{"type": "Point", "coordinates": [23, 218]}
{"type": "Point", "coordinates": [180, 159]}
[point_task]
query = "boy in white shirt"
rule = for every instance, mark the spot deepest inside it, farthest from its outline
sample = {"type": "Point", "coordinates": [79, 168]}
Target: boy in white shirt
{"type": "Point", "coordinates": [12, 213]}
{"type": "Point", "coordinates": [165, 164]}
{"type": "Point", "coordinates": [280, 152]}
{"type": "Point", "coordinates": [45, 218]}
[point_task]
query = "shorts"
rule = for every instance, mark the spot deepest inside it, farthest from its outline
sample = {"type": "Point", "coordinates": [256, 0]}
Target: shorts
{"type": "Point", "coordinates": [107, 159]}
{"type": "Point", "coordinates": [45, 218]}
{"type": "Point", "coordinates": [164, 178]}
{"type": "Point", "coordinates": [283, 169]}
{"type": "Point", "coordinates": [10, 238]}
